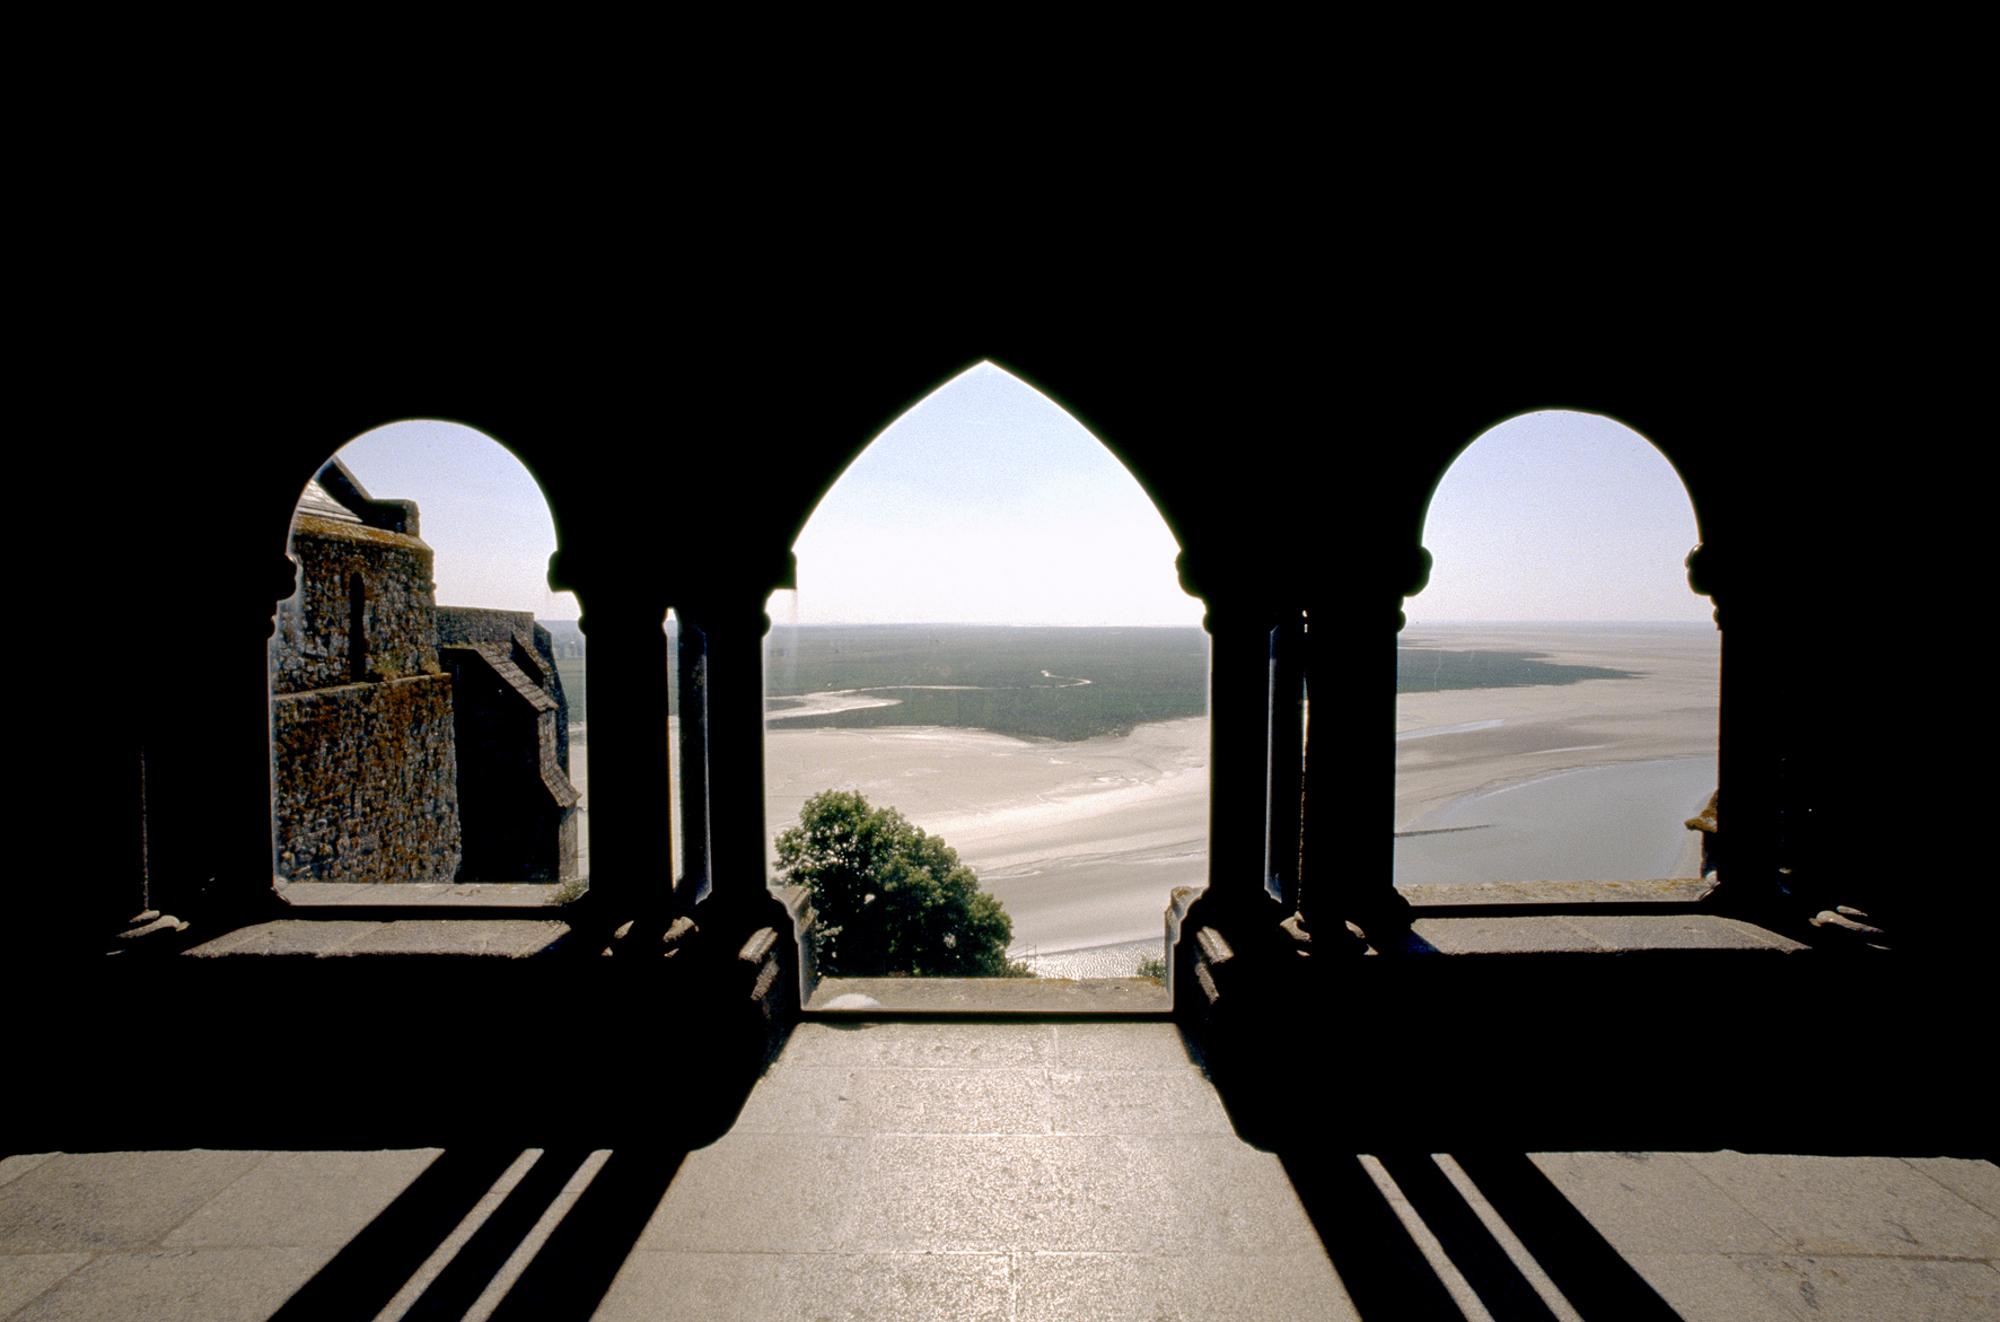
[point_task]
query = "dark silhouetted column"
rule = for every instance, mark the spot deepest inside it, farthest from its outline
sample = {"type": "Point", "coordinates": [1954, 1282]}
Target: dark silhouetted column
{"type": "Point", "coordinates": [733, 630]}
{"type": "Point", "coordinates": [1750, 743]}
{"type": "Point", "coordinates": [1349, 832]}
{"type": "Point", "coordinates": [1239, 698]}
{"type": "Point", "coordinates": [691, 681]}
{"type": "Point", "coordinates": [1287, 754]}
{"type": "Point", "coordinates": [208, 761]}
{"type": "Point", "coordinates": [630, 818]}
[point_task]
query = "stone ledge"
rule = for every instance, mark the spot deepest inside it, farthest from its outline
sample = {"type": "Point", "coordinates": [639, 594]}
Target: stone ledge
{"type": "Point", "coordinates": [1683, 890]}
{"type": "Point", "coordinates": [1584, 935]}
{"type": "Point", "coordinates": [863, 997]}
{"type": "Point", "coordinates": [504, 938]}
{"type": "Point", "coordinates": [444, 894]}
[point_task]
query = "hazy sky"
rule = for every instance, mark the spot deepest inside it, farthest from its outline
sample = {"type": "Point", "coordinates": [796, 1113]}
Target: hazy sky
{"type": "Point", "coordinates": [986, 503]}
{"type": "Point", "coordinates": [479, 510]}
{"type": "Point", "coordinates": [1559, 516]}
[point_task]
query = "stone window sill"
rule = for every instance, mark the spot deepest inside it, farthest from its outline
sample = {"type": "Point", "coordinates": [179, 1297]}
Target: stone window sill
{"type": "Point", "coordinates": [1576, 918]}
{"type": "Point", "coordinates": [448, 894]}
{"type": "Point", "coordinates": [1586, 935]}
{"type": "Point", "coordinates": [990, 997]}
{"type": "Point", "coordinates": [1557, 896]}
{"type": "Point", "coordinates": [346, 938]}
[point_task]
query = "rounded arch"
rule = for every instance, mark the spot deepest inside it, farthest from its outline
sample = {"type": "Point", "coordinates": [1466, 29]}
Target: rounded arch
{"type": "Point", "coordinates": [474, 437]}
{"type": "Point", "coordinates": [1586, 470]}
{"type": "Point", "coordinates": [1480, 432]}
{"type": "Point", "coordinates": [1557, 679]}
{"type": "Point", "coordinates": [420, 722]}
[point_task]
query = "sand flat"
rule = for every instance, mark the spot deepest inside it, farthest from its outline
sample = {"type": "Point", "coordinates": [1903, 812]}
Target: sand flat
{"type": "Point", "coordinates": [1668, 712]}
{"type": "Point", "coordinates": [1081, 841]}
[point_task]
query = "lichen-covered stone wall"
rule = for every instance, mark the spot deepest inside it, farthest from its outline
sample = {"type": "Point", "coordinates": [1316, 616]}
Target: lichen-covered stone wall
{"type": "Point", "coordinates": [311, 647]}
{"type": "Point", "coordinates": [366, 782]}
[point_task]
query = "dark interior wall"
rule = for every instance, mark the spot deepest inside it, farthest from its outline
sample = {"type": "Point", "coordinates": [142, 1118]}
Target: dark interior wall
{"type": "Point", "coordinates": [1291, 433]}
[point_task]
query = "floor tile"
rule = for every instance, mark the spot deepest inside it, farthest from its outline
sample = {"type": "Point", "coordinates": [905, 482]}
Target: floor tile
{"type": "Point", "coordinates": [12, 1168]}
{"type": "Point", "coordinates": [93, 1201]}
{"type": "Point", "coordinates": [1711, 1287]}
{"type": "Point", "coordinates": [1977, 1182]}
{"type": "Point", "coordinates": [179, 1285]}
{"type": "Point", "coordinates": [921, 1046]}
{"type": "Point", "coordinates": [265, 1207]}
{"type": "Point", "coordinates": [1655, 1202]}
{"type": "Point", "coordinates": [760, 1193]}
{"type": "Point", "coordinates": [1123, 1047]}
{"type": "Point", "coordinates": [895, 1287]}
{"type": "Point", "coordinates": [1155, 1102]}
{"type": "Point", "coordinates": [1837, 1205]}
{"type": "Point", "coordinates": [23, 1276]}
{"type": "Point", "coordinates": [1137, 1287]}
{"type": "Point", "coordinates": [898, 1100]}
{"type": "Point", "coordinates": [1856, 1289]}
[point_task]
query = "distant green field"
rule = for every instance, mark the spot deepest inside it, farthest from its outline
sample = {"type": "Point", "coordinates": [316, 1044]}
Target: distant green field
{"type": "Point", "coordinates": [570, 671]}
{"type": "Point", "coordinates": [1428, 670]}
{"type": "Point", "coordinates": [1136, 675]}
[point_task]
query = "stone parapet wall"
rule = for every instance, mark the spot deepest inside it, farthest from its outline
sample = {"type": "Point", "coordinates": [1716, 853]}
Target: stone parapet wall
{"type": "Point", "coordinates": [312, 646]}
{"type": "Point", "coordinates": [366, 782]}
{"type": "Point", "coordinates": [481, 624]}
{"type": "Point", "coordinates": [535, 651]}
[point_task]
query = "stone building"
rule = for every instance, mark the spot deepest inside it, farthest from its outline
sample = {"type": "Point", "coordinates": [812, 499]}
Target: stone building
{"type": "Point", "coordinates": [410, 742]}
{"type": "Point", "coordinates": [517, 807]}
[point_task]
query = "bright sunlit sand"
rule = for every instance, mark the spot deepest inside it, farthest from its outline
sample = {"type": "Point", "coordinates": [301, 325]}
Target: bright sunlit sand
{"type": "Point", "coordinates": [1081, 841]}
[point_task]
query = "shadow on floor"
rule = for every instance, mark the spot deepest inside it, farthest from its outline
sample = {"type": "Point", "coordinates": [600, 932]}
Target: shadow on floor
{"type": "Point", "coordinates": [1389, 1276]}
{"type": "Point", "coordinates": [567, 1277]}
{"type": "Point", "coordinates": [1386, 1273]}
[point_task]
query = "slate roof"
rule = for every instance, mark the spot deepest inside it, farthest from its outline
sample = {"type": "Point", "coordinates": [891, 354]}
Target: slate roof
{"type": "Point", "coordinates": [498, 657]}
{"type": "Point", "coordinates": [320, 504]}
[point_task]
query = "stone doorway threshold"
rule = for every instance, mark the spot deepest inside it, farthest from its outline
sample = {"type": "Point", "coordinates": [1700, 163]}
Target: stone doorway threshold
{"type": "Point", "coordinates": [872, 997]}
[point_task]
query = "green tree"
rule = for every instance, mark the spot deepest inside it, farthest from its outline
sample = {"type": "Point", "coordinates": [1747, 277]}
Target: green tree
{"type": "Point", "coordinates": [889, 898]}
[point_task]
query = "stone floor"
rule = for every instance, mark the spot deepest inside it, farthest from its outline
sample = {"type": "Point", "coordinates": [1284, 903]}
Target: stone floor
{"type": "Point", "coordinates": [991, 1170]}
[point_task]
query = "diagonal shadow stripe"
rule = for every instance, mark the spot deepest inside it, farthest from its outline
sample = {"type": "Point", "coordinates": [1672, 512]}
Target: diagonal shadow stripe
{"type": "Point", "coordinates": [475, 1265]}
{"type": "Point", "coordinates": [1592, 1275]}
{"type": "Point", "coordinates": [1383, 1270]}
{"type": "Point", "coordinates": [365, 1275]}
{"type": "Point", "coordinates": [1493, 1276]}
{"type": "Point", "coordinates": [574, 1270]}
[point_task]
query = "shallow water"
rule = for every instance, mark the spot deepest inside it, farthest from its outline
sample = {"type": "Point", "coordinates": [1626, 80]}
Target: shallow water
{"type": "Point", "coordinates": [1605, 823]}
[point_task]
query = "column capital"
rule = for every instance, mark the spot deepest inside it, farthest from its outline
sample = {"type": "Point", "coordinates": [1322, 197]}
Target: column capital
{"type": "Point", "coordinates": [738, 613]}
{"type": "Point", "coordinates": [256, 611]}
{"type": "Point", "coordinates": [1708, 571]}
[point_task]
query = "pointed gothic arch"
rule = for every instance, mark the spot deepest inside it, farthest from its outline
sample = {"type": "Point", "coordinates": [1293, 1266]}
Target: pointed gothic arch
{"type": "Point", "coordinates": [972, 597]}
